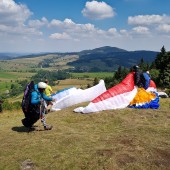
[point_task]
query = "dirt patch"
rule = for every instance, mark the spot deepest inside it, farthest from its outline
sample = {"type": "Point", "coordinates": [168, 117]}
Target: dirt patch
{"type": "Point", "coordinates": [106, 153]}
{"type": "Point", "coordinates": [127, 142]}
{"type": "Point", "coordinates": [124, 159]}
{"type": "Point", "coordinates": [162, 157]}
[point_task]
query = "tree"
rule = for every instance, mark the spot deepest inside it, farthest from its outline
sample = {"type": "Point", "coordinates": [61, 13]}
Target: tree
{"type": "Point", "coordinates": [96, 81]}
{"type": "Point", "coordinates": [162, 62]}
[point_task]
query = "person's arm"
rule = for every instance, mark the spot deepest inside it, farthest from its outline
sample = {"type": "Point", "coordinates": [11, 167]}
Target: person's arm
{"type": "Point", "coordinates": [51, 90]}
{"type": "Point", "coordinates": [46, 97]}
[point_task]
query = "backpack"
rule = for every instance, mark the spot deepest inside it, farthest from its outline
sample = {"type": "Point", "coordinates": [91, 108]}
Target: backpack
{"type": "Point", "coordinates": [27, 98]}
{"type": "Point", "coordinates": [146, 80]}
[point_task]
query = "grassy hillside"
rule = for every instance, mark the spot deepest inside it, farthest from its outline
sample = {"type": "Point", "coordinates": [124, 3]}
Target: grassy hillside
{"type": "Point", "coordinates": [36, 63]}
{"type": "Point", "coordinates": [110, 58]}
{"type": "Point", "coordinates": [128, 139]}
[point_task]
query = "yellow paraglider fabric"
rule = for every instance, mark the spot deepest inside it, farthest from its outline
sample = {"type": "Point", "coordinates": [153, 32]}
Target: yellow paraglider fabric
{"type": "Point", "coordinates": [142, 97]}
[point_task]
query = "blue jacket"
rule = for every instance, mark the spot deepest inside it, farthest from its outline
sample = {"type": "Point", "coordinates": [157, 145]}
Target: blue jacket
{"type": "Point", "coordinates": [36, 96]}
{"type": "Point", "coordinates": [147, 80]}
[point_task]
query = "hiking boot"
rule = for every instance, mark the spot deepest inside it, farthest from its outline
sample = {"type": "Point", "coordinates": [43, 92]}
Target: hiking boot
{"type": "Point", "coordinates": [48, 127]}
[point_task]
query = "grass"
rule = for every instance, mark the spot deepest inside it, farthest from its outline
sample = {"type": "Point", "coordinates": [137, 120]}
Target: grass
{"type": "Point", "coordinates": [101, 75]}
{"type": "Point", "coordinates": [23, 64]}
{"type": "Point", "coordinates": [128, 139]}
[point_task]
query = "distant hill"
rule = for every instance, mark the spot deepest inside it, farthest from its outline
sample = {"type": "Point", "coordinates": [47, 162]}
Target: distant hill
{"type": "Point", "coordinates": [8, 56]}
{"type": "Point", "coordinates": [99, 59]}
{"type": "Point", "coordinates": [110, 58]}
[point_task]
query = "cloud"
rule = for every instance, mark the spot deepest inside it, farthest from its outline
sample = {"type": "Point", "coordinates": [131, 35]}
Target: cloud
{"type": "Point", "coordinates": [79, 32]}
{"type": "Point", "coordinates": [141, 30]}
{"type": "Point", "coordinates": [98, 10]}
{"type": "Point", "coordinates": [148, 19]}
{"type": "Point", "coordinates": [164, 28]}
{"type": "Point", "coordinates": [58, 36]}
{"type": "Point", "coordinates": [38, 23]}
{"type": "Point", "coordinates": [13, 14]}
{"type": "Point", "coordinates": [13, 19]}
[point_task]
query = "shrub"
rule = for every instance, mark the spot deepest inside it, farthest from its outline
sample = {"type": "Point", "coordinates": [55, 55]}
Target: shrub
{"type": "Point", "coordinates": [11, 106]}
{"type": "Point", "coordinates": [167, 91]}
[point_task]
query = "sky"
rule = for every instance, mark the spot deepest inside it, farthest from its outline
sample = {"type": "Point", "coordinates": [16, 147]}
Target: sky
{"type": "Point", "coordinates": [33, 26]}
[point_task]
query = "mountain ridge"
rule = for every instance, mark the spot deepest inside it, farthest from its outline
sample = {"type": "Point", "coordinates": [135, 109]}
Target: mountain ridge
{"type": "Point", "coordinates": [104, 58]}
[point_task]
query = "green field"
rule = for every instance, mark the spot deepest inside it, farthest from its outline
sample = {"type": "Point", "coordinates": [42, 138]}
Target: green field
{"type": "Point", "coordinates": [8, 78]}
{"type": "Point", "coordinates": [93, 75]}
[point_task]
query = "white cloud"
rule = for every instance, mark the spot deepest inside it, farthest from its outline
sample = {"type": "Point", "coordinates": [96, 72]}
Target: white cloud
{"type": "Point", "coordinates": [13, 18]}
{"type": "Point", "coordinates": [124, 32]}
{"type": "Point", "coordinates": [164, 28]}
{"type": "Point", "coordinates": [112, 31]}
{"type": "Point", "coordinates": [38, 23]}
{"type": "Point", "coordinates": [148, 19]}
{"type": "Point", "coordinates": [58, 36]}
{"type": "Point", "coordinates": [140, 30]}
{"type": "Point", "coordinates": [80, 31]}
{"type": "Point", "coordinates": [12, 13]}
{"type": "Point", "coordinates": [98, 10]}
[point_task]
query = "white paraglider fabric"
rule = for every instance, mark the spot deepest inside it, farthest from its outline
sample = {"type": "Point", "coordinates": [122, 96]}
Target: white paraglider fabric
{"type": "Point", "coordinates": [117, 97]}
{"type": "Point", "coordinates": [65, 92]}
{"type": "Point", "coordinates": [74, 96]}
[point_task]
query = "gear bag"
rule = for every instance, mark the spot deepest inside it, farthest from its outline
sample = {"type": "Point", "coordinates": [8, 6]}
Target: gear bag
{"type": "Point", "coordinates": [26, 102]}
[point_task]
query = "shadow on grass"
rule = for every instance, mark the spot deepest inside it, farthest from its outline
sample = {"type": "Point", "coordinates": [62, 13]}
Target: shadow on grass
{"type": "Point", "coordinates": [23, 129]}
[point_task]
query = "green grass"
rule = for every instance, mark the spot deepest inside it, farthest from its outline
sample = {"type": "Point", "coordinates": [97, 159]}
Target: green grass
{"type": "Point", "coordinates": [93, 75]}
{"type": "Point", "coordinates": [126, 139]}
{"type": "Point", "coordinates": [8, 76]}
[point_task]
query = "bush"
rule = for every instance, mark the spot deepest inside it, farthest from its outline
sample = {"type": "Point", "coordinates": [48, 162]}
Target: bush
{"type": "Point", "coordinates": [167, 91]}
{"type": "Point", "coordinates": [11, 106]}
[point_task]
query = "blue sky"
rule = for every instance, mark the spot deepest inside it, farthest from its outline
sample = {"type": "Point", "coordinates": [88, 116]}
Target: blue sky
{"type": "Point", "coordinates": [74, 25]}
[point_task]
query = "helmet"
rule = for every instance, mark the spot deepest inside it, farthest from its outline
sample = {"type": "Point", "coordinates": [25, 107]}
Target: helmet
{"type": "Point", "coordinates": [42, 85]}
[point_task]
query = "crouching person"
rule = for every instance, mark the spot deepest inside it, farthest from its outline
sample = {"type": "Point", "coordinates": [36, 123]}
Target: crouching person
{"type": "Point", "coordinates": [37, 109]}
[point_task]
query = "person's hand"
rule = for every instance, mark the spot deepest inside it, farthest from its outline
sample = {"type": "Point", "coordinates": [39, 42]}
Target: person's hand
{"type": "Point", "coordinates": [53, 100]}
{"type": "Point", "coordinates": [41, 101]}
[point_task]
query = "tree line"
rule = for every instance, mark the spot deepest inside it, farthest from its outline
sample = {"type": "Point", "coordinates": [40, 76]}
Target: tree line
{"type": "Point", "coordinates": [159, 70]}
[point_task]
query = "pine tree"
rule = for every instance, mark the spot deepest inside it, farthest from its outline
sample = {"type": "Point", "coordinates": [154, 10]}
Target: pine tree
{"type": "Point", "coordinates": [162, 63]}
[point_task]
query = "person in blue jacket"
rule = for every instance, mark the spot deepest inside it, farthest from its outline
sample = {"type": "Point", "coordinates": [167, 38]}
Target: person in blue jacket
{"type": "Point", "coordinates": [147, 79]}
{"type": "Point", "coordinates": [37, 107]}
{"type": "Point", "coordinates": [141, 79]}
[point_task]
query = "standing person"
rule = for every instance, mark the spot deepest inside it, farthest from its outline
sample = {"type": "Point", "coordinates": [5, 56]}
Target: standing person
{"type": "Point", "coordinates": [37, 108]}
{"type": "Point", "coordinates": [147, 79]}
{"type": "Point", "coordinates": [48, 92]}
{"type": "Point", "coordinates": [141, 79]}
{"type": "Point", "coordinates": [138, 76]}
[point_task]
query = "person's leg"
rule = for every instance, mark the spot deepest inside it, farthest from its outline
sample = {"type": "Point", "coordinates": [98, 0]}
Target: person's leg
{"type": "Point", "coordinates": [43, 120]}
